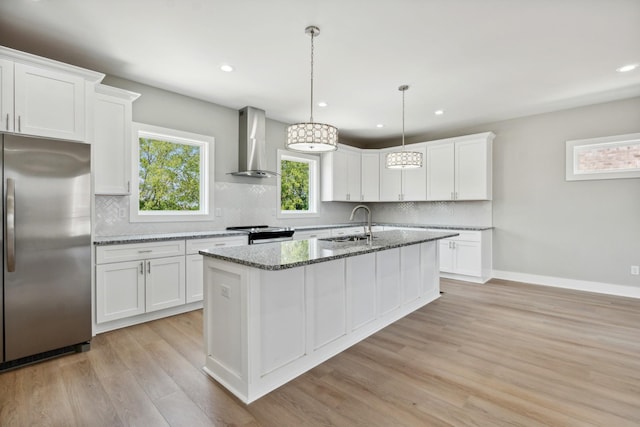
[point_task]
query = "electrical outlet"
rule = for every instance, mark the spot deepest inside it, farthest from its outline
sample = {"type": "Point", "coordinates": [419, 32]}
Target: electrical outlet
{"type": "Point", "coordinates": [218, 212]}
{"type": "Point", "coordinates": [122, 212]}
{"type": "Point", "coordinates": [635, 270]}
{"type": "Point", "coordinates": [224, 291]}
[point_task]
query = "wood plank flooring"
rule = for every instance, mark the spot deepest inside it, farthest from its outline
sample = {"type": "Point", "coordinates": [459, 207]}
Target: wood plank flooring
{"type": "Point", "coordinates": [502, 353]}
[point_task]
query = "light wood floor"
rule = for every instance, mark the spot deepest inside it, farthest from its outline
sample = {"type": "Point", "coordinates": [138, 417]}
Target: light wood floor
{"type": "Point", "coordinates": [488, 355]}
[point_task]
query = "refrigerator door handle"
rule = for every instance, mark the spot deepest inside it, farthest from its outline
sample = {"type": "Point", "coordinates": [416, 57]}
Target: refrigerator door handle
{"type": "Point", "coordinates": [11, 225]}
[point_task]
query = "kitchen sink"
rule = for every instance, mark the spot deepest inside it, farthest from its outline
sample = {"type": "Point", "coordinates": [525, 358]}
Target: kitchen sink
{"type": "Point", "coordinates": [352, 238]}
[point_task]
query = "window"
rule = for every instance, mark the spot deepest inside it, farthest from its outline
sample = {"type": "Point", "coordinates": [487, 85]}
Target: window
{"type": "Point", "coordinates": [169, 175]}
{"type": "Point", "coordinates": [603, 158]}
{"type": "Point", "coordinates": [297, 184]}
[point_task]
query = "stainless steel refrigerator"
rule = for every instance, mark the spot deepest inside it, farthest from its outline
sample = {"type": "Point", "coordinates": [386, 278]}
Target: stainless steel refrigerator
{"type": "Point", "coordinates": [46, 284]}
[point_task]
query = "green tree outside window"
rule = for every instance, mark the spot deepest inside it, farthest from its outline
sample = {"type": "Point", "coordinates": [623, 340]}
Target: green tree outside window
{"type": "Point", "coordinates": [169, 175]}
{"type": "Point", "coordinates": [294, 186]}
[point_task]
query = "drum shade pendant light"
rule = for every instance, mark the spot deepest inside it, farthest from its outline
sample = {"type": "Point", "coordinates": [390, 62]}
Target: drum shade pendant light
{"type": "Point", "coordinates": [404, 159]}
{"type": "Point", "coordinates": [312, 137]}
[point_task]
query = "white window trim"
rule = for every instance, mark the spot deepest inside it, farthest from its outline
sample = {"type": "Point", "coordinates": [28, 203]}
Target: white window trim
{"type": "Point", "coordinates": [573, 149]}
{"type": "Point", "coordinates": [314, 178]}
{"type": "Point", "coordinates": [206, 144]}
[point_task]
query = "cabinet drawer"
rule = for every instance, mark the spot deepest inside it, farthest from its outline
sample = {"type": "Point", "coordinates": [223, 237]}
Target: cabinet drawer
{"type": "Point", "coordinates": [347, 231]}
{"type": "Point", "coordinates": [196, 245]}
{"type": "Point", "coordinates": [135, 251]}
{"type": "Point", "coordinates": [466, 235]}
{"type": "Point", "coordinates": [312, 234]}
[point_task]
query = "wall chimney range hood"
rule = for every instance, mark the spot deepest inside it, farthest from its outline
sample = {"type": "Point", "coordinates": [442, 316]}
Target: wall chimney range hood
{"type": "Point", "coordinates": [252, 158]}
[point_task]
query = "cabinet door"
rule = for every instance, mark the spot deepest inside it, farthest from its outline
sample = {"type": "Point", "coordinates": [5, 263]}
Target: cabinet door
{"type": "Point", "coordinates": [390, 181]}
{"type": "Point", "coordinates": [370, 177]}
{"type": "Point", "coordinates": [468, 258]}
{"type": "Point", "coordinates": [6, 95]}
{"type": "Point", "coordinates": [48, 103]}
{"type": "Point", "coordinates": [119, 290]}
{"type": "Point", "coordinates": [445, 248]}
{"type": "Point", "coordinates": [472, 165]}
{"type": "Point", "coordinates": [440, 171]}
{"type": "Point", "coordinates": [111, 147]}
{"type": "Point", "coordinates": [195, 279]}
{"type": "Point", "coordinates": [414, 181]}
{"type": "Point", "coordinates": [165, 282]}
{"type": "Point", "coordinates": [354, 191]}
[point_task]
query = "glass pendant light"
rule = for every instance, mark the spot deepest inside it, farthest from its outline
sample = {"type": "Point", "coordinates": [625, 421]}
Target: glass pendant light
{"type": "Point", "coordinates": [311, 137]}
{"type": "Point", "coordinates": [403, 159]}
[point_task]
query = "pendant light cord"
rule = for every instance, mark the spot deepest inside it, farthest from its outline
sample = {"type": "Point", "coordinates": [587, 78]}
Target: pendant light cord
{"type": "Point", "coordinates": [313, 33]}
{"type": "Point", "coordinates": [403, 91]}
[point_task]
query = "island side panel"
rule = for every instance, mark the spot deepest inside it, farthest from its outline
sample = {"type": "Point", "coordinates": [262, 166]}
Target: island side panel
{"type": "Point", "coordinates": [225, 324]}
{"type": "Point", "coordinates": [429, 268]}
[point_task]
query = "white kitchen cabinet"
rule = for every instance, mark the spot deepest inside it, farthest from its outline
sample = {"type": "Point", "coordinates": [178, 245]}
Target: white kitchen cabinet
{"type": "Point", "coordinates": [132, 279]}
{"type": "Point", "coordinates": [194, 276]}
{"type": "Point", "coordinates": [6, 95]}
{"type": "Point", "coordinates": [370, 176]}
{"type": "Point", "coordinates": [42, 97]}
{"type": "Point", "coordinates": [340, 175]}
{"type": "Point", "coordinates": [466, 256]}
{"type": "Point", "coordinates": [397, 185]}
{"type": "Point", "coordinates": [460, 168]}
{"type": "Point", "coordinates": [312, 234]}
{"type": "Point", "coordinates": [119, 290]}
{"type": "Point", "coordinates": [112, 118]}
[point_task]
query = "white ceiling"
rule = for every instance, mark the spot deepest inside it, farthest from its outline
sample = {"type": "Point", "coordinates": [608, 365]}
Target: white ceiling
{"type": "Point", "coordinates": [478, 60]}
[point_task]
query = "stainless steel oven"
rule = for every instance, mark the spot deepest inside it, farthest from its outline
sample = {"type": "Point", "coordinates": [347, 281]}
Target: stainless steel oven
{"type": "Point", "coordinates": [264, 234]}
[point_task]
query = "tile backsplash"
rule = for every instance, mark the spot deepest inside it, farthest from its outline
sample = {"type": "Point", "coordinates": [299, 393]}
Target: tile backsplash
{"type": "Point", "coordinates": [252, 204]}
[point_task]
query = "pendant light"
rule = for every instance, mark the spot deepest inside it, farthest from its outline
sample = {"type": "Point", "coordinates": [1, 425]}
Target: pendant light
{"type": "Point", "coordinates": [404, 159]}
{"type": "Point", "coordinates": [312, 137]}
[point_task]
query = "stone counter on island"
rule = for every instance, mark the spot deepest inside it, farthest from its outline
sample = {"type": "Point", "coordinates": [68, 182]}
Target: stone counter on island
{"type": "Point", "coordinates": [274, 311]}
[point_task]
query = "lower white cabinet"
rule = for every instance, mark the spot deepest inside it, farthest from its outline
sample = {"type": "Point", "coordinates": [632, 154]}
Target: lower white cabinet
{"type": "Point", "coordinates": [139, 278]}
{"type": "Point", "coordinates": [467, 256]}
{"type": "Point", "coordinates": [194, 261]}
{"type": "Point", "coordinates": [138, 282]}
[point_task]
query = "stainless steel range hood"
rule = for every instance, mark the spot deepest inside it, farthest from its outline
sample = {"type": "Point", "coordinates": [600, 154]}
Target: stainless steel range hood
{"type": "Point", "coordinates": [252, 159]}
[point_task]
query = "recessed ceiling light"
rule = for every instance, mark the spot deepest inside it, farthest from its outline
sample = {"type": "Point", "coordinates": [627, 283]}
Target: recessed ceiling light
{"type": "Point", "coordinates": [438, 112]}
{"type": "Point", "coordinates": [626, 68]}
{"type": "Point", "coordinates": [379, 125]}
{"type": "Point", "coordinates": [322, 104]}
{"type": "Point", "coordinates": [226, 68]}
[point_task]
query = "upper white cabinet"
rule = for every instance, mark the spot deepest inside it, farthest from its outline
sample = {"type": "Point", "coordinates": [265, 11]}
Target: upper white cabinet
{"type": "Point", "coordinates": [112, 117]}
{"type": "Point", "coordinates": [398, 185]}
{"type": "Point", "coordinates": [340, 175]}
{"type": "Point", "coordinates": [460, 168]}
{"type": "Point", "coordinates": [42, 97]}
{"type": "Point", "coordinates": [370, 173]}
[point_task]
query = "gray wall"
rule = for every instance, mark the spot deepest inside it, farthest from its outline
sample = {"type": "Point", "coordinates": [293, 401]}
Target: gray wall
{"type": "Point", "coordinates": [544, 225]}
{"type": "Point", "coordinates": [242, 200]}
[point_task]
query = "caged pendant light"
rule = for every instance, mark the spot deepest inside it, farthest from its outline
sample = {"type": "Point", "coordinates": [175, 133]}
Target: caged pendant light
{"type": "Point", "coordinates": [312, 137]}
{"type": "Point", "coordinates": [403, 159]}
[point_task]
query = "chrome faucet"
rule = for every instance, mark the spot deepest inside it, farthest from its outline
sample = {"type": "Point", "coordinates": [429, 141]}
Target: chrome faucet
{"type": "Point", "coordinates": [368, 233]}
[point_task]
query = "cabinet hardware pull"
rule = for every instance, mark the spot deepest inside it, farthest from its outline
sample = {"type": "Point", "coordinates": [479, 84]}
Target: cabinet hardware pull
{"type": "Point", "coordinates": [146, 251]}
{"type": "Point", "coordinates": [7, 121]}
{"type": "Point", "coordinates": [149, 267]}
{"type": "Point", "coordinates": [141, 267]}
{"type": "Point", "coordinates": [220, 244]}
{"type": "Point", "coordinates": [19, 125]}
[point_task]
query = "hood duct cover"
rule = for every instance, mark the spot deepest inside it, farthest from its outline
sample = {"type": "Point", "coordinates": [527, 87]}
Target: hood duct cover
{"type": "Point", "coordinates": [252, 158]}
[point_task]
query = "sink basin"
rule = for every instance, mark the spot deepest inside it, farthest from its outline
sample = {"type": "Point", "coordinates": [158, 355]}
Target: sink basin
{"type": "Point", "coordinates": [352, 238]}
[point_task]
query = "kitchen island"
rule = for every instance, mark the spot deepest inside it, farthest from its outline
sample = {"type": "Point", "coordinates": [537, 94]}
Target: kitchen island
{"type": "Point", "coordinates": [274, 311]}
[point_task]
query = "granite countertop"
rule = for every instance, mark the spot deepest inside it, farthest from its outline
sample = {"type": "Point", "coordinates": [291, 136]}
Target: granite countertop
{"type": "Point", "coordinates": [143, 238]}
{"type": "Point", "coordinates": [387, 224]}
{"type": "Point", "coordinates": [297, 253]}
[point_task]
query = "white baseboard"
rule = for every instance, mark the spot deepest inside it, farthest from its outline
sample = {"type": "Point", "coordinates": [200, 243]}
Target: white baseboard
{"type": "Point", "coordinates": [579, 285]}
